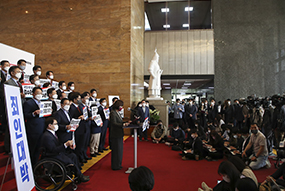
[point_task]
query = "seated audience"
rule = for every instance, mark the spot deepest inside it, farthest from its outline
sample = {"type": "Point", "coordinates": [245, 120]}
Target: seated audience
{"type": "Point", "coordinates": [177, 136]}
{"type": "Point", "coordinates": [37, 70]}
{"type": "Point", "coordinates": [196, 147]}
{"type": "Point", "coordinates": [215, 147]}
{"type": "Point", "coordinates": [246, 184]}
{"type": "Point", "coordinates": [141, 179]}
{"type": "Point", "coordinates": [280, 172]}
{"type": "Point", "coordinates": [158, 134]}
{"type": "Point", "coordinates": [34, 79]}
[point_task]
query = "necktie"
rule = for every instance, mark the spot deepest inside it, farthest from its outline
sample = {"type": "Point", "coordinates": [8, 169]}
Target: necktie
{"type": "Point", "coordinates": [20, 85]}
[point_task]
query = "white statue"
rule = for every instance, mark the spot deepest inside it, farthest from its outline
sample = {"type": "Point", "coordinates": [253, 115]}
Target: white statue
{"type": "Point", "coordinates": [155, 75]}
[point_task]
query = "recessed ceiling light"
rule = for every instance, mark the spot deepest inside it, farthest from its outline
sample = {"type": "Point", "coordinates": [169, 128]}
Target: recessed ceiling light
{"type": "Point", "coordinates": [185, 25]}
{"type": "Point", "coordinates": [166, 26]}
{"type": "Point", "coordinates": [188, 8]}
{"type": "Point", "coordinates": [166, 84]}
{"type": "Point", "coordinates": [164, 10]}
{"type": "Point", "coordinates": [187, 84]}
{"type": "Point", "coordinates": [168, 88]}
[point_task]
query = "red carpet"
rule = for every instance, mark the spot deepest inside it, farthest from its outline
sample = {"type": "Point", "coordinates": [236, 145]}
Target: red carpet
{"type": "Point", "coordinates": [170, 171]}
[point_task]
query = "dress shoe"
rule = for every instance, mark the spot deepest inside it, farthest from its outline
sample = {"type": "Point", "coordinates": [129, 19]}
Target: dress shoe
{"type": "Point", "coordinates": [93, 155]}
{"type": "Point", "coordinates": [83, 161]}
{"type": "Point", "coordinates": [88, 158]}
{"type": "Point", "coordinates": [81, 164]}
{"type": "Point", "coordinates": [100, 151]}
{"type": "Point", "coordinates": [83, 178]}
{"type": "Point", "coordinates": [105, 149]}
{"type": "Point", "coordinates": [97, 153]}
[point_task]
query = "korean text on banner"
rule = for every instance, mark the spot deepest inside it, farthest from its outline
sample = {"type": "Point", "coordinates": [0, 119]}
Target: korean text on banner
{"type": "Point", "coordinates": [28, 90]}
{"type": "Point", "coordinates": [57, 103]}
{"type": "Point", "coordinates": [21, 156]}
{"type": "Point", "coordinates": [74, 123]}
{"type": "Point", "coordinates": [94, 111]}
{"type": "Point", "coordinates": [46, 108]}
{"type": "Point", "coordinates": [55, 85]}
{"type": "Point", "coordinates": [45, 96]}
{"type": "Point", "coordinates": [107, 113]}
{"type": "Point", "coordinates": [145, 124]}
{"type": "Point", "coordinates": [85, 113]}
{"type": "Point", "coordinates": [98, 120]}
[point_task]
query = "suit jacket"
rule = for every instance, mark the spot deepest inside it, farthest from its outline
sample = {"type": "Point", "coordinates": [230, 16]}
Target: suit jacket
{"type": "Point", "coordinates": [212, 113]}
{"type": "Point", "coordinates": [34, 124]}
{"type": "Point", "coordinates": [102, 113]}
{"type": "Point", "coordinates": [54, 107]}
{"type": "Point", "coordinates": [178, 114]}
{"type": "Point", "coordinates": [142, 114]}
{"type": "Point", "coordinates": [191, 109]}
{"type": "Point", "coordinates": [58, 92]}
{"type": "Point", "coordinates": [3, 77]}
{"type": "Point", "coordinates": [197, 146]}
{"type": "Point", "coordinates": [84, 125]}
{"type": "Point", "coordinates": [116, 125]}
{"type": "Point", "coordinates": [62, 120]}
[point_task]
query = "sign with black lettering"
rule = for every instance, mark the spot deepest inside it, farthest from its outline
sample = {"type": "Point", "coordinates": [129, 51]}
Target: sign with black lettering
{"type": "Point", "coordinates": [46, 108]}
{"type": "Point", "coordinates": [28, 90]}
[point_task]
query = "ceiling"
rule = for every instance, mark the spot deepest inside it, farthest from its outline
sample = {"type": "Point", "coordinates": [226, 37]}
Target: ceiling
{"type": "Point", "coordinates": [200, 17]}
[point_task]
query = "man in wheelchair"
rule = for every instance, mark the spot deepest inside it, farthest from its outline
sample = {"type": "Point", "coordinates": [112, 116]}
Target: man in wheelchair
{"type": "Point", "coordinates": [62, 152]}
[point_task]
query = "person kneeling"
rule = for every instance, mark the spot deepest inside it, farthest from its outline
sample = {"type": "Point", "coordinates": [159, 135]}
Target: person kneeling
{"type": "Point", "coordinates": [158, 134]}
{"type": "Point", "coordinates": [195, 152]}
{"type": "Point", "coordinates": [57, 150]}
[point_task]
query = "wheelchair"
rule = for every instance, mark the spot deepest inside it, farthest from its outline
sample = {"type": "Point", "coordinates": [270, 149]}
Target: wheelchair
{"type": "Point", "coordinates": [50, 174]}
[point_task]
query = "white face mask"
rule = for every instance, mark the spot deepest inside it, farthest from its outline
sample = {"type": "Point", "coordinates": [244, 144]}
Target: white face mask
{"type": "Point", "coordinates": [229, 103]}
{"type": "Point", "coordinates": [94, 95]}
{"type": "Point", "coordinates": [51, 76]}
{"type": "Point", "coordinates": [140, 105]}
{"type": "Point", "coordinates": [147, 105]}
{"type": "Point", "coordinates": [202, 103]}
{"type": "Point", "coordinates": [18, 75]}
{"type": "Point", "coordinates": [144, 104]}
{"type": "Point", "coordinates": [104, 103]}
{"type": "Point", "coordinates": [37, 82]}
{"type": "Point", "coordinates": [72, 87]}
{"type": "Point", "coordinates": [226, 179]}
{"type": "Point", "coordinates": [87, 102]}
{"type": "Point", "coordinates": [66, 107]}
{"type": "Point", "coordinates": [55, 96]}
{"type": "Point", "coordinates": [22, 67]}
{"type": "Point", "coordinates": [55, 127]}
{"type": "Point", "coordinates": [39, 73]}
{"type": "Point", "coordinates": [212, 103]}
{"type": "Point", "coordinates": [190, 102]}
{"type": "Point", "coordinates": [193, 136]}
{"type": "Point", "coordinates": [6, 68]}
{"type": "Point", "coordinates": [235, 136]}
{"type": "Point", "coordinates": [64, 87]}
{"type": "Point", "coordinates": [38, 97]}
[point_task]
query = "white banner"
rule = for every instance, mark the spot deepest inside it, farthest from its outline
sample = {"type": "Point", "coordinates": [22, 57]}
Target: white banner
{"type": "Point", "coordinates": [21, 156]}
{"type": "Point", "coordinates": [44, 94]}
{"type": "Point", "coordinates": [145, 124]}
{"type": "Point", "coordinates": [46, 108]}
{"type": "Point", "coordinates": [43, 81]}
{"type": "Point", "coordinates": [107, 113]}
{"type": "Point", "coordinates": [122, 113]}
{"type": "Point", "coordinates": [94, 111]}
{"type": "Point", "coordinates": [58, 104]}
{"type": "Point", "coordinates": [74, 124]}
{"type": "Point", "coordinates": [98, 120]}
{"type": "Point", "coordinates": [55, 85]}
{"type": "Point", "coordinates": [110, 97]}
{"type": "Point", "coordinates": [28, 90]}
{"type": "Point", "coordinates": [85, 112]}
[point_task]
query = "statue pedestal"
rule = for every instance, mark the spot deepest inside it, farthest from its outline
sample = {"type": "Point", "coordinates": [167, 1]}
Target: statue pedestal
{"type": "Point", "coordinates": [162, 107]}
{"type": "Point", "coordinates": [154, 94]}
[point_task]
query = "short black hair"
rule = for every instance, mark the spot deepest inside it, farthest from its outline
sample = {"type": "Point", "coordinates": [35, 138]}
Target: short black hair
{"type": "Point", "coordinates": [84, 94]}
{"type": "Point", "coordinates": [20, 61]}
{"type": "Point", "coordinates": [36, 88]}
{"type": "Point", "coordinates": [70, 83]}
{"type": "Point", "coordinates": [63, 99]}
{"type": "Point", "coordinates": [47, 73]}
{"type": "Point", "coordinates": [177, 99]}
{"type": "Point", "coordinates": [114, 99]}
{"type": "Point", "coordinates": [45, 85]}
{"type": "Point", "coordinates": [3, 62]}
{"type": "Point", "coordinates": [32, 77]}
{"type": "Point", "coordinates": [141, 179]}
{"type": "Point", "coordinates": [60, 83]}
{"type": "Point", "coordinates": [101, 100]}
{"type": "Point", "coordinates": [175, 125]}
{"type": "Point", "coordinates": [117, 104]}
{"type": "Point", "coordinates": [73, 95]}
{"type": "Point", "coordinates": [49, 120]}
{"type": "Point", "coordinates": [36, 67]}
{"type": "Point", "coordinates": [50, 90]}
{"type": "Point", "coordinates": [92, 90]}
{"type": "Point", "coordinates": [12, 69]}
{"type": "Point", "coordinates": [239, 164]}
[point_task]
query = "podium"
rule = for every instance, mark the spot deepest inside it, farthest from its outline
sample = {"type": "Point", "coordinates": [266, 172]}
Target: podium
{"type": "Point", "coordinates": [135, 127]}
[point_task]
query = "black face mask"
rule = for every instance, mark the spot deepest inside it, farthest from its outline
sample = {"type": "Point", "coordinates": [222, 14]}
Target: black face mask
{"type": "Point", "coordinates": [159, 125]}
{"type": "Point", "coordinates": [254, 131]}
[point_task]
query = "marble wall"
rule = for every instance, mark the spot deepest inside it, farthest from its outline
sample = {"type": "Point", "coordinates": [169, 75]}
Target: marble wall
{"type": "Point", "coordinates": [90, 42]}
{"type": "Point", "coordinates": [249, 41]}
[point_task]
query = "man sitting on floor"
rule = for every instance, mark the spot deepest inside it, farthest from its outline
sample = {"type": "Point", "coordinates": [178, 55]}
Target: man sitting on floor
{"type": "Point", "coordinates": [196, 148]}
{"type": "Point", "coordinates": [177, 136]}
{"type": "Point", "coordinates": [158, 134]}
{"type": "Point", "coordinates": [57, 150]}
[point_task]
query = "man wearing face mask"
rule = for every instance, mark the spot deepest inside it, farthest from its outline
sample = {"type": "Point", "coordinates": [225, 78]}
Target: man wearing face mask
{"type": "Point", "coordinates": [259, 158]}
{"type": "Point", "coordinates": [22, 65]}
{"type": "Point", "coordinates": [228, 110]}
{"type": "Point", "coordinates": [158, 134]}
{"type": "Point", "coordinates": [191, 111]}
{"type": "Point", "coordinates": [93, 95]}
{"type": "Point", "coordinates": [196, 148]}
{"type": "Point", "coordinates": [50, 76]}
{"type": "Point", "coordinates": [35, 80]}
{"type": "Point", "coordinates": [71, 87]}
{"type": "Point", "coordinates": [62, 88]}
{"type": "Point", "coordinates": [5, 65]}
{"type": "Point", "coordinates": [52, 95]}
{"type": "Point", "coordinates": [55, 149]}
{"type": "Point", "coordinates": [101, 108]}
{"type": "Point", "coordinates": [15, 74]}
{"type": "Point", "coordinates": [37, 70]}
{"type": "Point", "coordinates": [63, 119]}
{"type": "Point", "coordinates": [35, 125]}
{"type": "Point", "coordinates": [178, 112]}
{"type": "Point", "coordinates": [212, 111]}
{"type": "Point", "coordinates": [143, 113]}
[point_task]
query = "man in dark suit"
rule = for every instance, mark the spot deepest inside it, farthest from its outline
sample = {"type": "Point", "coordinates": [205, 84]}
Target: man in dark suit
{"type": "Point", "coordinates": [15, 74]}
{"type": "Point", "coordinates": [22, 65]}
{"type": "Point", "coordinates": [37, 70]}
{"type": "Point", "coordinates": [62, 88]}
{"type": "Point", "coordinates": [5, 65]}
{"type": "Point", "coordinates": [52, 95]}
{"type": "Point", "coordinates": [196, 147]}
{"type": "Point", "coordinates": [191, 110]}
{"type": "Point", "coordinates": [143, 113]}
{"type": "Point", "coordinates": [35, 125]}
{"type": "Point", "coordinates": [212, 111]}
{"type": "Point", "coordinates": [57, 150]}
{"type": "Point", "coordinates": [101, 112]}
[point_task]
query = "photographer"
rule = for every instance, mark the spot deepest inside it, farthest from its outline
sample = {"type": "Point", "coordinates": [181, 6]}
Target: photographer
{"type": "Point", "coordinates": [158, 134]}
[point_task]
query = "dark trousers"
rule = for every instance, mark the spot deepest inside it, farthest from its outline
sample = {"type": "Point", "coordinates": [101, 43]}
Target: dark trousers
{"type": "Point", "coordinates": [34, 142]}
{"type": "Point", "coordinates": [103, 135]}
{"type": "Point", "coordinates": [79, 142]}
{"type": "Point", "coordinates": [222, 186]}
{"type": "Point", "coordinates": [87, 141]}
{"type": "Point", "coordinates": [180, 122]}
{"type": "Point", "coordinates": [191, 123]}
{"type": "Point", "coordinates": [117, 153]}
{"type": "Point", "coordinates": [142, 134]}
{"type": "Point", "coordinates": [70, 158]}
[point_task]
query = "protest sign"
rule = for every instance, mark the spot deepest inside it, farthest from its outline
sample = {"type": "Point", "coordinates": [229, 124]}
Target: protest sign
{"type": "Point", "coordinates": [94, 111]}
{"type": "Point", "coordinates": [74, 123]}
{"type": "Point", "coordinates": [44, 94]}
{"type": "Point", "coordinates": [145, 124]}
{"type": "Point", "coordinates": [98, 120]}
{"type": "Point", "coordinates": [46, 108]}
{"type": "Point", "coordinates": [107, 113]}
{"type": "Point", "coordinates": [28, 90]}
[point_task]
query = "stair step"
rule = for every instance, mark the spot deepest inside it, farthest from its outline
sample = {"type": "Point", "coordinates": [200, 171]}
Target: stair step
{"type": "Point", "coordinates": [11, 185]}
{"type": "Point", "coordinates": [9, 174]}
{"type": "Point", "coordinates": [3, 159]}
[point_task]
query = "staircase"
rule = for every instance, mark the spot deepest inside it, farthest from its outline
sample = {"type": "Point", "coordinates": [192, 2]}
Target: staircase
{"type": "Point", "coordinates": [10, 181]}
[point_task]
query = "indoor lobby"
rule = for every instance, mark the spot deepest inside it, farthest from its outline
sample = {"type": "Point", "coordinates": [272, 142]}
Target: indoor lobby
{"type": "Point", "coordinates": [224, 58]}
